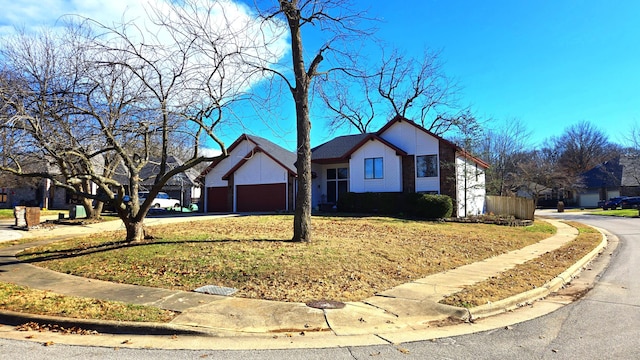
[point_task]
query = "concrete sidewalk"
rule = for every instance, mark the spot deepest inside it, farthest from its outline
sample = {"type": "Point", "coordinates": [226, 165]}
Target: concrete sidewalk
{"type": "Point", "coordinates": [392, 316]}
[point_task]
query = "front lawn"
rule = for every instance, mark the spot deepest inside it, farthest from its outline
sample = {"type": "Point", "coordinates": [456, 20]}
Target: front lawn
{"type": "Point", "coordinates": [349, 259]}
{"type": "Point", "coordinates": [530, 275]}
{"type": "Point", "coordinates": [618, 212]}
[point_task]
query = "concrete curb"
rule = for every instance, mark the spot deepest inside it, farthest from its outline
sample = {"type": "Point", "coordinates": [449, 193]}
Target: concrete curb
{"type": "Point", "coordinates": [529, 297]}
{"type": "Point", "coordinates": [103, 326]}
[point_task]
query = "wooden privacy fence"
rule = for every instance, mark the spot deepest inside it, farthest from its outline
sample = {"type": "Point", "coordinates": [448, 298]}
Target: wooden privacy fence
{"type": "Point", "coordinates": [521, 208]}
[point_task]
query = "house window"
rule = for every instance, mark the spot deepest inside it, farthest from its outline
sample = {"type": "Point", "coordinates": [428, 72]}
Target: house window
{"type": "Point", "coordinates": [3, 198]}
{"type": "Point", "coordinates": [427, 166]}
{"type": "Point", "coordinates": [373, 168]}
{"type": "Point", "coordinates": [337, 183]}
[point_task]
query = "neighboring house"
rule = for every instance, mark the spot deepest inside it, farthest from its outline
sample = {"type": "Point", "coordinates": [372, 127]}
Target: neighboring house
{"type": "Point", "coordinates": [619, 176]}
{"type": "Point", "coordinates": [401, 157]}
{"type": "Point", "coordinates": [258, 175]}
{"type": "Point", "coordinates": [182, 186]}
{"type": "Point", "coordinates": [546, 197]}
{"type": "Point", "coordinates": [16, 190]}
{"type": "Point", "coordinates": [40, 193]}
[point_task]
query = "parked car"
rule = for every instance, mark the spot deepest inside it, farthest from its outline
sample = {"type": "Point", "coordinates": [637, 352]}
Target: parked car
{"type": "Point", "coordinates": [109, 205]}
{"type": "Point", "coordinates": [630, 202]}
{"type": "Point", "coordinates": [613, 203]}
{"type": "Point", "coordinates": [162, 200]}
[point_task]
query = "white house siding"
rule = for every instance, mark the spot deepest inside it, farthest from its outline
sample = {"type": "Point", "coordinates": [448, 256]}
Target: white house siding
{"type": "Point", "coordinates": [392, 169]}
{"type": "Point", "coordinates": [259, 169]}
{"type": "Point", "coordinates": [411, 139]}
{"type": "Point", "coordinates": [415, 142]}
{"type": "Point", "coordinates": [214, 177]}
{"type": "Point", "coordinates": [471, 178]}
{"type": "Point", "coordinates": [428, 184]}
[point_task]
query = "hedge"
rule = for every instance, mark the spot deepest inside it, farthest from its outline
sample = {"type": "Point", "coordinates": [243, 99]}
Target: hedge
{"type": "Point", "coordinates": [412, 204]}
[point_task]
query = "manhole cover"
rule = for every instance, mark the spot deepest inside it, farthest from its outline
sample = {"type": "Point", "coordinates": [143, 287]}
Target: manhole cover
{"type": "Point", "coordinates": [216, 290]}
{"type": "Point", "coordinates": [325, 304]}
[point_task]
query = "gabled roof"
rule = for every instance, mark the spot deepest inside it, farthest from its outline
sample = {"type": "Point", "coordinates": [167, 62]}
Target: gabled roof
{"type": "Point", "coordinates": [247, 157]}
{"type": "Point", "coordinates": [341, 148]}
{"type": "Point", "coordinates": [630, 170]}
{"type": "Point", "coordinates": [607, 174]}
{"type": "Point", "coordinates": [283, 156]}
{"type": "Point", "coordinates": [460, 150]}
{"type": "Point", "coordinates": [152, 168]}
{"type": "Point", "coordinates": [279, 154]}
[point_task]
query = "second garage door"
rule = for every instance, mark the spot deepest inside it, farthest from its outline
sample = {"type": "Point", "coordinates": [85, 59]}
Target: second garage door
{"type": "Point", "coordinates": [264, 197]}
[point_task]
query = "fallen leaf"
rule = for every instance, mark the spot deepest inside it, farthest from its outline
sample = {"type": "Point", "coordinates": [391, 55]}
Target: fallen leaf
{"type": "Point", "coordinates": [48, 343]}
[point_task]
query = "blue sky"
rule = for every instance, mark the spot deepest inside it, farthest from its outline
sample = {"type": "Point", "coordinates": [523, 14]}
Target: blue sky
{"type": "Point", "coordinates": [548, 63]}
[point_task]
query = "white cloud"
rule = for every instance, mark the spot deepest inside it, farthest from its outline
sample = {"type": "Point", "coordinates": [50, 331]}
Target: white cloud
{"type": "Point", "coordinates": [225, 19]}
{"type": "Point", "coordinates": [32, 14]}
{"type": "Point", "coordinates": [205, 151]}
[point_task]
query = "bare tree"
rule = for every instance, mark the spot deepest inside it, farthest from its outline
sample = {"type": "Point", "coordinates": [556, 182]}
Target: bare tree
{"type": "Point", "coordinates": [541, 170]}
{"type": "Point", "coordinates": [359, 112]}
{"type": "Point", "coordinates": [95, 104]}
{"type": "Point", "coordinates": [417, 89]}
{"type": "Point", "coordinates": [583, 146]}
{"type": "Point", "coordinates": [336, 23]}
{"type": "Point", "coordinates": [503, 148]}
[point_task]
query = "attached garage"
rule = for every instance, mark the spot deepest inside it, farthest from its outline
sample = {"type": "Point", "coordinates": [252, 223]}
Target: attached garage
{"type": "Point", "coordinates": [218, 199]}
{"type": "Point", "coordinates": [256, 176]}
{"type": "Point", "coordinates": [262, 197]}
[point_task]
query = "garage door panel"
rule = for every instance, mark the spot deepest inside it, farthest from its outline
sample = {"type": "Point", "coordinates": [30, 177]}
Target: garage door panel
{"type": "Point", "coordinates": [217, 199]}
{"type": "Point", "coordinates": [263, 197]}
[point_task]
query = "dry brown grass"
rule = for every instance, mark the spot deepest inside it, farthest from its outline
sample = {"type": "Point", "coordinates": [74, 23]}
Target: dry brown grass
{"type": "Point", "coordinates": [530, 275]}
{"type": "Point", "coordinates": [21, 299]}
{"type": "Point", "coordinates": [348, 259]}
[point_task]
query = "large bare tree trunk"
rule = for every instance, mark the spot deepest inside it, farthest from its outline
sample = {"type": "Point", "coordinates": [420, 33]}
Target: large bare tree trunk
{"type": "Point", "coordinates": [92, 213]}
{"type": "Point", "coordinates": [302, 216]}
{"type": "Point", "coordinates": [135, 230]}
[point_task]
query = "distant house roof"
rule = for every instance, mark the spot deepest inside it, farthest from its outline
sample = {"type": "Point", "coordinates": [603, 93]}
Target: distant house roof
{"type": "Point", "coordinates": [607, 174]}
{"type": "Point", "coordinates": [152, 168]}
{"type": "Point", "coordinates": [630, 170]}
{"type": "Point", "coordinates": [341, 148]}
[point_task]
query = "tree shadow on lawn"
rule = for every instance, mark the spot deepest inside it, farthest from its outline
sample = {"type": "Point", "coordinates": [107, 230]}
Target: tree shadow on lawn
{"type": "Point", "coordinates": [115, 245]}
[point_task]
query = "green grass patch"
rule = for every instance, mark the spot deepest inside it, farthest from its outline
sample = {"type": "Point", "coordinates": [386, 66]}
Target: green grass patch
{"type": "Point", "coordinates": [632, 213]}
{"type": "Point", "coordinates": [8, 213]}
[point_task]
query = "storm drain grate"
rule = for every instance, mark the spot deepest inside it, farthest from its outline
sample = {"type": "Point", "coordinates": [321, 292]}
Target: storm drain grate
{"type": "Point", "coordinates": [216, 290]}
{"type": "Point", "coordinates": [325, 304]}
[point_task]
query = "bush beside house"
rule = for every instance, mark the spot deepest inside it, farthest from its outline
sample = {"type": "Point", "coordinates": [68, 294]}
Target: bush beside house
{"type": "Point", "coordinates": [423, 206]}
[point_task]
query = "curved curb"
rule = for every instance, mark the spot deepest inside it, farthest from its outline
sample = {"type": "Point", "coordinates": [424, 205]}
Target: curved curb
{"type": "Point", "coordinates": [529, 297]}
{"type": "Point", "coordinates": [102, 326]}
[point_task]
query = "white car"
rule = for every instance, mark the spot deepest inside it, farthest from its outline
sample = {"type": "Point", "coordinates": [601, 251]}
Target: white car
{"type": "Point", "coordinates": [162, 200]}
